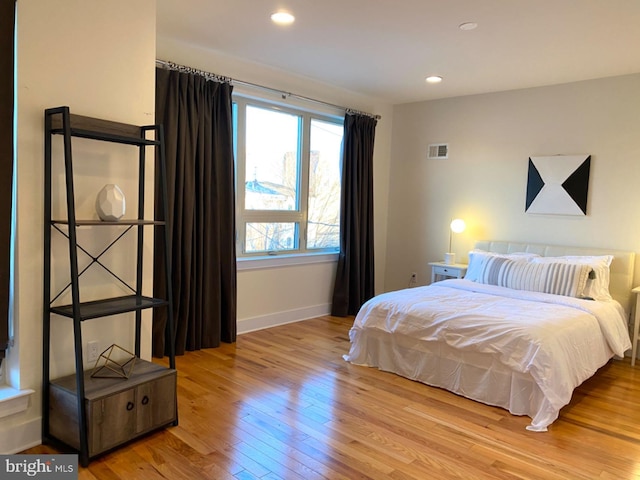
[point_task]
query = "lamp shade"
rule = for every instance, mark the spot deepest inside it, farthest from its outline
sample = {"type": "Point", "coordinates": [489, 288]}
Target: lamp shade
{"type": "Point", "coordinates": [458, 225]}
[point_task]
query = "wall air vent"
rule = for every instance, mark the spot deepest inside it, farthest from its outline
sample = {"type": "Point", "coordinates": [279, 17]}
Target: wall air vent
{"type": "Point", "coordinates": [438, 151]}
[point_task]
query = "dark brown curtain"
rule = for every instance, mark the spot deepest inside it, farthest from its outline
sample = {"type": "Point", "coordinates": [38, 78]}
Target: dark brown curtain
{"type": "Point", "coordinates": [197, 117]}
{"type": "Point", "coordinates": [7, 25]}
{"type": "Point", "coordinates": [354, 282]}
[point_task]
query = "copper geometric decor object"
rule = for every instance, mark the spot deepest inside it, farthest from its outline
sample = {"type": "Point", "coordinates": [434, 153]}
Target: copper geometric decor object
{"type": "Point", "coordinates": [114, 362]}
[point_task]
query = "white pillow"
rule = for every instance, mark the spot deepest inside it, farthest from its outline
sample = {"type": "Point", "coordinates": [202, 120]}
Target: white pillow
{"type": "Point", "coordinates": [597, 286]}
{"type": "Point", "coordinates": [479, 258]}
{"type": "Point", "coordinates": [557, 278]}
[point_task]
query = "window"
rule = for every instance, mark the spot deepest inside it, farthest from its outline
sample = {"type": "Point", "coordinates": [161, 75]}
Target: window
{"type": "Point", "coordinates": [288, 167]}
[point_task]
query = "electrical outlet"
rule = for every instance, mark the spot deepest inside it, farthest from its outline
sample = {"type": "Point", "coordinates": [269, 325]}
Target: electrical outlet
{"type": "Point", "coordinates": [92, 351]}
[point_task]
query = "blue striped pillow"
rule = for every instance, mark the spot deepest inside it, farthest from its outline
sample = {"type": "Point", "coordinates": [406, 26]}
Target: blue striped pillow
{"type": "Point", "coordinates": [568, 279]}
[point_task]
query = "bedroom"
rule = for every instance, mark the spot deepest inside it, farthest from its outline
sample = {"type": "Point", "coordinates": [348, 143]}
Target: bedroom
{"type": "Point", "coordinates": [597, 117]}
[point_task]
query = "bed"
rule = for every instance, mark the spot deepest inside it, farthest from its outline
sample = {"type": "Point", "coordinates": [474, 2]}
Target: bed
{"type": "Point", "coordinates": [525, 327]}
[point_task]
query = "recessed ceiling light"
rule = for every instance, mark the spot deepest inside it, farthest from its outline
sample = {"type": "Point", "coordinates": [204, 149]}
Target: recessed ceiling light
{"type": "Point", "coordinates": [434, 79]}
{"type": "Point", "coordinates": [468, 26]}
{"type": "Point", "coordinates": [282, 18]}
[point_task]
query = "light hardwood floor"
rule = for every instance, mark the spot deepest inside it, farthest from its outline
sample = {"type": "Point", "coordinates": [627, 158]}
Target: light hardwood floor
{"type": "Point", "coordinates": [283, 404]}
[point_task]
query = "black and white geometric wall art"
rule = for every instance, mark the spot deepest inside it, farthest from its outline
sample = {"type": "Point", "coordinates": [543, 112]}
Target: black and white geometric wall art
{"type": "Point", "coordinates": [558, 184]}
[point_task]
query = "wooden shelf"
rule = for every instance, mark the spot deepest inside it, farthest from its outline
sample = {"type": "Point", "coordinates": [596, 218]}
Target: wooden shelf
{"type": "Point", "coordinates": [102, 223]}
{"type": "Point", "coordinates": [98, 129]}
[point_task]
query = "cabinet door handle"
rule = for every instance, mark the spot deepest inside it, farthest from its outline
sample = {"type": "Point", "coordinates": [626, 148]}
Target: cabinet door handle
{"type": "Point", "coordinates": [130, 406]}
{"type": "Point", "coordinates": [145, 400]}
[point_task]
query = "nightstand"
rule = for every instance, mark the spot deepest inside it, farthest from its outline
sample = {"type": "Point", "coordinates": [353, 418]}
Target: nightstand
{"type": "Point", "coordinates": [441, 271]}
{"type": "Point", "coordinates": [636, 324]}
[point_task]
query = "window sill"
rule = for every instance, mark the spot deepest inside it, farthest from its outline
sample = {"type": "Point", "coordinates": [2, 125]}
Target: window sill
{"type": "Point", "coordinates": [275, 261]}
{"type": "Point", "coordinates": [13, 401]}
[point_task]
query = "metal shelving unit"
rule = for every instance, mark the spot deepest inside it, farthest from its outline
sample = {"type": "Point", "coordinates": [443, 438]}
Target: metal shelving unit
{"type": "Point", "coordinates": [60, 122]}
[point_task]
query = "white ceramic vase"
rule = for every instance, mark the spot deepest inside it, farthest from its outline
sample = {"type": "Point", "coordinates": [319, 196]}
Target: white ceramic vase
{"type": "Point", "coordinates": [110, 203]}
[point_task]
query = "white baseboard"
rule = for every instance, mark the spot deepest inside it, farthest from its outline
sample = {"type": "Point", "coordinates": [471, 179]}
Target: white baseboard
{"type": "Point", "coordinates": [247, 325]}
{"type": "Point", "coordinates": [20, 437]}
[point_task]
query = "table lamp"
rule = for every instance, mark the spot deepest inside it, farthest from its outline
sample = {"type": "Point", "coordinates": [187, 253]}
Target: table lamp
{"type": "Point", "coordinates": [457, 225]}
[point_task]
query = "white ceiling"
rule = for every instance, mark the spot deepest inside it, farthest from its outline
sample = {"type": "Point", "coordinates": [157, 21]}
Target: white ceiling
{"type": "Point", "coordinates": [386, 48]}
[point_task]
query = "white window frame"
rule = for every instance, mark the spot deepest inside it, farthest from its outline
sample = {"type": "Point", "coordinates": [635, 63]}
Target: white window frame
{"type": "Point", "coordinates": [299, 216]}
{"type": "Point", "coordinates": [13, 400]}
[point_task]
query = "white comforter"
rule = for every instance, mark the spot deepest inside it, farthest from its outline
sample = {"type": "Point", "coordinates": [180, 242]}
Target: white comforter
{"type": "Point", "coordinates": [560, 341]}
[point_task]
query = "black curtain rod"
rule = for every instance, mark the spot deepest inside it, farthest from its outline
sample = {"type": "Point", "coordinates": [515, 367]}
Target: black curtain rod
{"type": "Point", "coordinates": [284, 95]}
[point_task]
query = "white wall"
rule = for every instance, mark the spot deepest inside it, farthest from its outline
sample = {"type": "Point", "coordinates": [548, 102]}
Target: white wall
{"type": "Point", "coordinates": [97, 58]}
{"type": "Point", "coordinates": [484, 180]}
{"type": "Point", "coordinates": [285, 294]}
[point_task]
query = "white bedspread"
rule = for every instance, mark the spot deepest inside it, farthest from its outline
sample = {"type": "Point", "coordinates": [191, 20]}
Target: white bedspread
{"type": "Point", "coordinates": [560, 341]}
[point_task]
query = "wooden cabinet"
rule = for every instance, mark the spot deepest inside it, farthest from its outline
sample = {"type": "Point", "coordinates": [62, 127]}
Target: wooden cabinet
{"type": "Point", "coordinates": [117, 409]}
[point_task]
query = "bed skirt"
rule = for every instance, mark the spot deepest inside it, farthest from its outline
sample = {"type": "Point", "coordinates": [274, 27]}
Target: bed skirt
{"type": "Point", "coordinates": [477, 376]}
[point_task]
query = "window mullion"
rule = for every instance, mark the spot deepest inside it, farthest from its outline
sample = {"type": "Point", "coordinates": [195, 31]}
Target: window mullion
{"type": "Point", "coordinates": [271, 216]}
{"type": "Point", "coordinates": [241, 175]}
{"type": "Point", "coordinates": [304, 179]}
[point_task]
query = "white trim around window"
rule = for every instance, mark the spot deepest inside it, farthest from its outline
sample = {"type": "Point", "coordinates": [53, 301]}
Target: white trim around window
{"type": "Point", "coordinates": [283, 260]}
{"type": "Point", "coordinates": [292, 217]}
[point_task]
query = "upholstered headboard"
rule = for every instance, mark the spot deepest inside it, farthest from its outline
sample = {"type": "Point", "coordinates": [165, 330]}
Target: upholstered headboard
{"type": "Point", "coordinates": [622, 266]}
